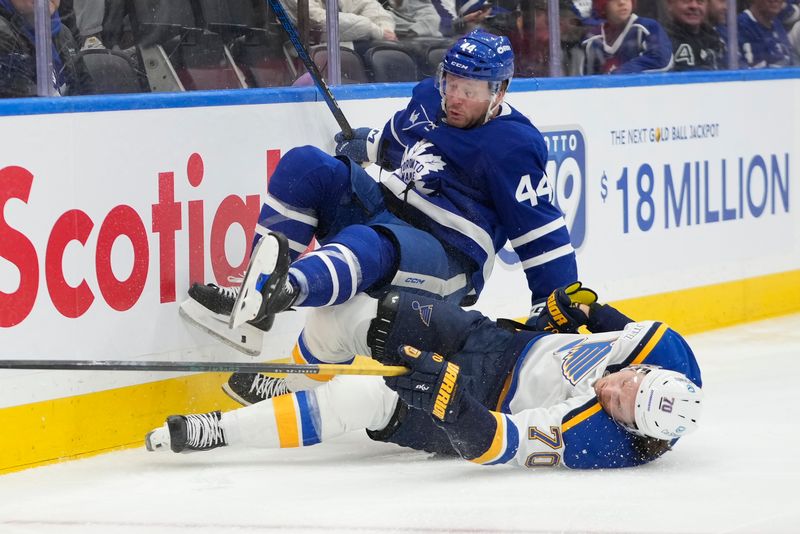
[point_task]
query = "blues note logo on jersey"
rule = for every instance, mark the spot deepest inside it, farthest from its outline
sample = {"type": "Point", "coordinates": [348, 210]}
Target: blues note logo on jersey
{"type": "Point", "coordinates": [424, 312]}
{"type": "Point", "coordinates": [421, 167]}
{"type": "Point", "coordinates": [581, 357]}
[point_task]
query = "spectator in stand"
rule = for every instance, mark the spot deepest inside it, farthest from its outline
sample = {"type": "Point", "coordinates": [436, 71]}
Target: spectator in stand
{"type": "Point", "coordinates": [359, 20]}
{"type": "Point", "coordinates": [18, 52]}
{"type": "Point", "coordinates": [89, 14]}
{"type": "Point", "coordinates": [534, 54]}
{"type": "Point", "coordinates": [794, 39]}
{"type": "Point", "coordinates": [696, 45]}
{"type": "Point", "coordinates": [414, 18]}
{"type": "Point", "coordinates": [790, 14]}
{"type": "Point", "coordinates": [460, 16]}
{"type": "Point", "coordinates": [626, 43]}
{"type": "Point", "coordinates": [763, 41]}
{"type": "Point", "coordinates": [717, 16]}
{"type": "Point", "coordinates": [573, 32]}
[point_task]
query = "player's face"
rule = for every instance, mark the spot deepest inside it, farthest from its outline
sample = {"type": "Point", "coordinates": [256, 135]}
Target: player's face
{"type": "Point", "coordinates": [617, 394]}
{"type": "Point", "coordinates": [618, 11]}
{"type": "Point", "coordinates": [688, 12]}
{"type": "Point", "coordinates": [467, 100]}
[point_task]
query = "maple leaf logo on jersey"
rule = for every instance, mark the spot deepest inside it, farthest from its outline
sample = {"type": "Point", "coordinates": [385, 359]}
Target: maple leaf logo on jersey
{"type": "Point", "coordinates": [420, 167]}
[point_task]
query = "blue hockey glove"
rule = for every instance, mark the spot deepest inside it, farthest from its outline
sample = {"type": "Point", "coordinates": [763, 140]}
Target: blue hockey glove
{"type": "Point", "coordinates": [431, 386]}
{"type": "Point", "coordinates": [561, 313]}
{"type": "Point", "coordinates": [362, 148]}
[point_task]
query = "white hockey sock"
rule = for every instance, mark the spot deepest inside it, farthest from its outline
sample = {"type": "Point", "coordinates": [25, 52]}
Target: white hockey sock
{"type": "Point", "coordinates": [308, 417]}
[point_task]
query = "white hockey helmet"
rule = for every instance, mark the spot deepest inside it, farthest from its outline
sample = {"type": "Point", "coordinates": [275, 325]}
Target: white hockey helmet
{"type": "Point", "coordinates": [668, 405]}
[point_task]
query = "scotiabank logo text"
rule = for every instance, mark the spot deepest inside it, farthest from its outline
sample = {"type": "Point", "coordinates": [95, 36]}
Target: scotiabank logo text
{"type": "Point", "coordinates": [148, 233]}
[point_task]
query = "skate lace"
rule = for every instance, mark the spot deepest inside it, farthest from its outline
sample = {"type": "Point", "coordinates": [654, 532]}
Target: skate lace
{"type": "Point", "coordinates": [233, 291]}
{"type": "Point", "coordinates": [203, 430]}
{"type": "Point", "coordinates": [267, 387]}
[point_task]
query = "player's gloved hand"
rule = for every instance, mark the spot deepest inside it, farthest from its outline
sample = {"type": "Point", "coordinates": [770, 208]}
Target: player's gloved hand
{"type": "Point", "coordinates": [536, 310]}
{"type": "Point", "coordinates": [431, 386]}
{"type": "Point", "coordinates": [561, 313]}
{"type": "Point", "coordinates": [362, 148]}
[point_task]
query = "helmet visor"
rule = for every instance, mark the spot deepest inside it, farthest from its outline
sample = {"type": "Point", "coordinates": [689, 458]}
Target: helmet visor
{"type": "Point", "coordinates": [452, 86]}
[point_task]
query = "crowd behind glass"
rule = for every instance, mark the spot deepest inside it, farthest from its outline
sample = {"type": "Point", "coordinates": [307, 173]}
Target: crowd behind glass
{"type": "Point", "coordinates": [133, 46]}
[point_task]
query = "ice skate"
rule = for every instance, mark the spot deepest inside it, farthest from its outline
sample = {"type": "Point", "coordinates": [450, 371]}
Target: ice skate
{"type": "Point", "coordinates": [209, 307]}
{"type": "Point", "coordinates": [250, 388]}
{"type": "Point", "coordinates": [187, 433]}
{"type": "Point", "coordinates": [265, 288]}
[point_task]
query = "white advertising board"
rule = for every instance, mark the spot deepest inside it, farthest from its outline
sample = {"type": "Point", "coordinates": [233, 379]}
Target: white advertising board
{"type": "Point", "coordinates": [103, 229]}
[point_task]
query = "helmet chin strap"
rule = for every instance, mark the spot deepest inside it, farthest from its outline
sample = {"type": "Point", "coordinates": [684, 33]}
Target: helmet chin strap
{"type": "Point", "coordinates": [493, 106]}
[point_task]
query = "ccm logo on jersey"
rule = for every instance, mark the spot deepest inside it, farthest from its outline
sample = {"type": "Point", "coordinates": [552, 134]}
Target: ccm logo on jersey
{"type": "Point", "coordinates": [446, 391]}
{"type": "Point", "coordinates": [412, 280]}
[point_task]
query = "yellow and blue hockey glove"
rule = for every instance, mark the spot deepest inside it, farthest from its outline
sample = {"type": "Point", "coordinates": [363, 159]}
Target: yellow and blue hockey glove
{"type": "Point", "coordinates": [431, 386]}
{"type": "Point", "coordinates": [561, 313]}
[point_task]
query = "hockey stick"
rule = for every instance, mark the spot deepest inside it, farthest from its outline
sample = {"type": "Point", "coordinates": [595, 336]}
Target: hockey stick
{"type": "Point", "coordinates": [291, 31]}
{"type": "Point", "coordinates": [206, 367]}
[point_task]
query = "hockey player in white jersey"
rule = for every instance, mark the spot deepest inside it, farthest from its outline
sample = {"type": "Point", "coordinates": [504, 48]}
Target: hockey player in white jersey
{"type": "Point", "coordinates": [467, 175]}
{"type": "Point", "coordinates": [490, 393]}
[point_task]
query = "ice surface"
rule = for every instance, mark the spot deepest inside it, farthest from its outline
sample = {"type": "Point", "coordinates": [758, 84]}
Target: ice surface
{"type": "Point", "coordinates": [739, 473]}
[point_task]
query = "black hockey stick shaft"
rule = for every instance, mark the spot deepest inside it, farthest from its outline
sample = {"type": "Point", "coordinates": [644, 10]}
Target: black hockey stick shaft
{"type": "Point", "coordinates": [291, 31]}
{"type": "Point", "coordinates": [206, 367]}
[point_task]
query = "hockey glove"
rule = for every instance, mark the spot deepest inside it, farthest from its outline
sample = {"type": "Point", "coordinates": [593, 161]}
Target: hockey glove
{"type": "Point", "coordinates": [431, 386]}
{"type": "Point", "coordinates": [536, 310]}
{"type": "Point", "coordinates": [362, 148]}
{"type": "Point", "coordinates": [561, 313]}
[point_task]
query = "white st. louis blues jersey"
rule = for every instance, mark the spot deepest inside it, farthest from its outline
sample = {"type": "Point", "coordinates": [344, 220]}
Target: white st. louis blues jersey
{"type": "Point", "coordinates": [548, 413]}
{"type": "Point", "coordinates": [476, 188]}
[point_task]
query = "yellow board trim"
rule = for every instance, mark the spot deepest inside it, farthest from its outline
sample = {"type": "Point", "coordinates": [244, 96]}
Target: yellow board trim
{"type": "Point", "coordinates": [85, 425]}
{"type": "Point", "coordinates": [286, 419]}
{"type": "Point", "coordinates": [497, 442]}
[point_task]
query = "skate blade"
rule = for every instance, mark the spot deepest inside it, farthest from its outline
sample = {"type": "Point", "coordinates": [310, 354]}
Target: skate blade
{"type": "Point", "coordinates": [247, 339]}
{"type": "Point", "coordinates": [248, 302]}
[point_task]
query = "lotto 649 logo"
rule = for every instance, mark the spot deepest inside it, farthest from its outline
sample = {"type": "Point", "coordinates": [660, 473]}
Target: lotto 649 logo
{"type": "Point", "coordinates": [566, 168]}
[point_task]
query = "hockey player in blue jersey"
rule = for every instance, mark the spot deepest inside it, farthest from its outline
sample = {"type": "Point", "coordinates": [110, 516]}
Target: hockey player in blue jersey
{"type": "Point", "coordinates": [626, 43]}
{"type": "Point", "coordinates": [490, 393]}
{"type": "Point", "coordinates": [466, 173]}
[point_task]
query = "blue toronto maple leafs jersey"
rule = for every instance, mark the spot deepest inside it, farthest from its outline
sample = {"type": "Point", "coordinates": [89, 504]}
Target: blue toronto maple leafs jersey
{"type": "Point", "coordinates": [760, 46]}
{"type": "Point", "coordinates": [549, 415]}
{"type": "Point", "coordinates": [642, 46]}
{"type": "Point", "coordinates": [476, 188]}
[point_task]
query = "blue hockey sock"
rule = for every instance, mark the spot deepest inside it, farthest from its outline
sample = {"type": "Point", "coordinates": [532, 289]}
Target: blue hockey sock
{"type": "Point", "coordinates": [303, 194]}
{"type": "Point", "coordinates": [353, 261]}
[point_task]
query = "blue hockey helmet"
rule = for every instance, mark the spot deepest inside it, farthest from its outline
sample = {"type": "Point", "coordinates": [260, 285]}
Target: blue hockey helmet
{"type": "Point", "coordinates": [481, 55]}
